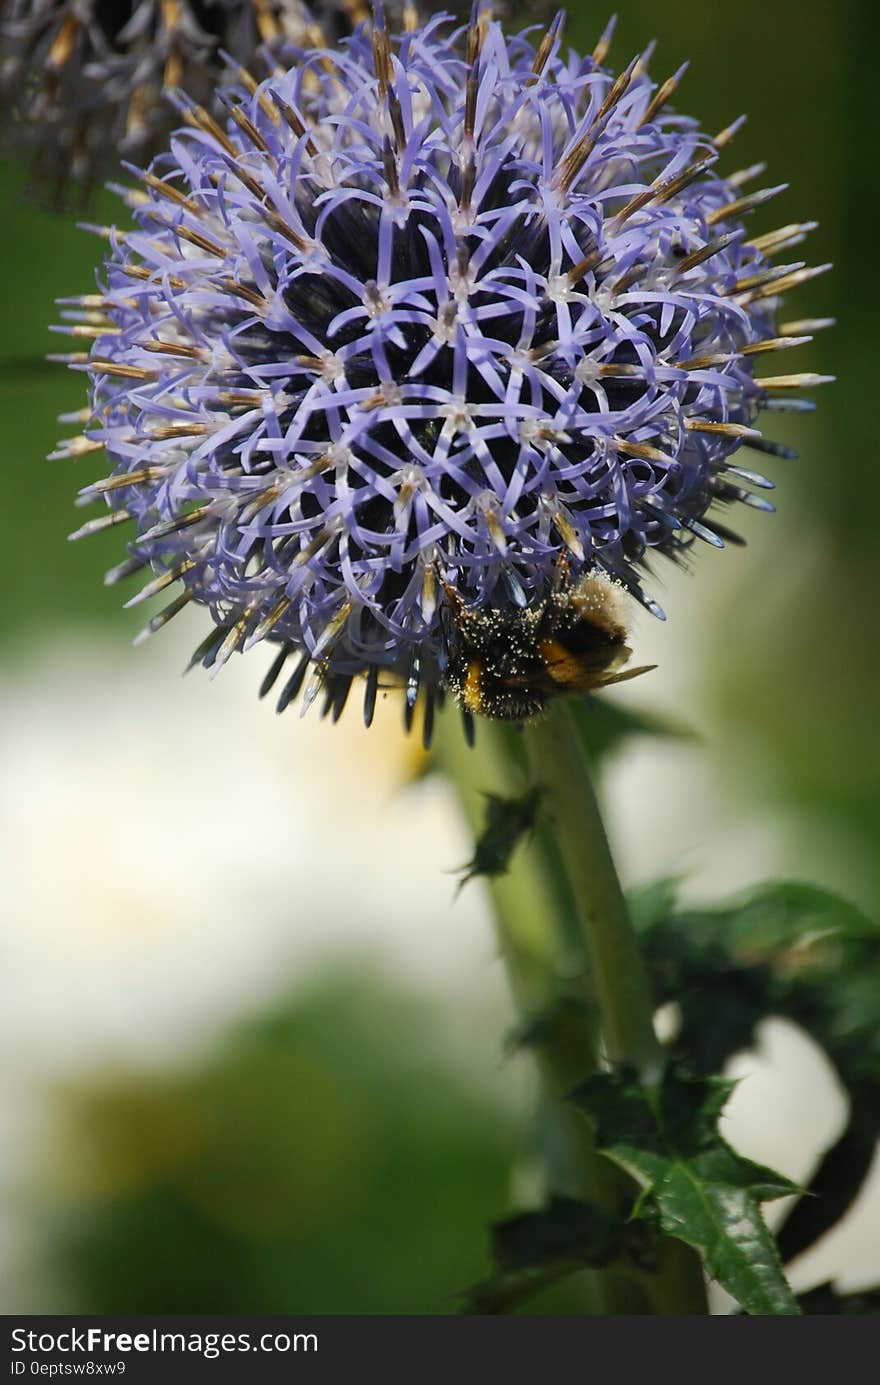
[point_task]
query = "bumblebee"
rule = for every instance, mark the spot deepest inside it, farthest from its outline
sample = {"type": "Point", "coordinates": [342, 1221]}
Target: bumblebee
{"type": "Point", "coordinates": [509, 665]}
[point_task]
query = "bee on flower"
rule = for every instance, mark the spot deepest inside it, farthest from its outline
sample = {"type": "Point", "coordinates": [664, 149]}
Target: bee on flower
{"type": "Point", "coordinates": [412, 362]}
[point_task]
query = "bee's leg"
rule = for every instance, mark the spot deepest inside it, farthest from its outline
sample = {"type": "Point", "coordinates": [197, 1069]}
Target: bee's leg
{"type": "Point", "coordinates": [452, 594]}
{"type": "Point", "coordinates": [453, 615]}
{"type": "Point", "coordinates": [561, 574]}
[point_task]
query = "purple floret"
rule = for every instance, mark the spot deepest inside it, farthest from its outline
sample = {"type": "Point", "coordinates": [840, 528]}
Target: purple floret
{"type": "Point", "coordinates": [438, 310]}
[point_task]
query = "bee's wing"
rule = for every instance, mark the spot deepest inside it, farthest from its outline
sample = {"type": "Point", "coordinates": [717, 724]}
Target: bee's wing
{"type": "Point", "coordinates": [626, 675]}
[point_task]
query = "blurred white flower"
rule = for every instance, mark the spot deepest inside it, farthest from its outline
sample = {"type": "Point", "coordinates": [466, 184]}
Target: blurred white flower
{"type": "Point", "coordinates": [171, 853]}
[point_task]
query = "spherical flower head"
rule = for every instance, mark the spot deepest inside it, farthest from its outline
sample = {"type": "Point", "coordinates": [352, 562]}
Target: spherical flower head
{"type": "Point", "coordinates": [83, 80]}
{"type": "Point", "coordinates": [433, 323]}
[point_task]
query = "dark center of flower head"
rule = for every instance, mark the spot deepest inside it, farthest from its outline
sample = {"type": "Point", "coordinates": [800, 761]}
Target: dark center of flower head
{"type": "Point", "coordinates": [430, 314]}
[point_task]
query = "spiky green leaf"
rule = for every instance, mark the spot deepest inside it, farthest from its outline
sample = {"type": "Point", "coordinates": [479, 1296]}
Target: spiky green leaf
{"type": "Point", "coordinates": [788, 950]}
{"type": "Point", "coordinates": [507, 822]}
{"type": "Point", "coordinates": [535, 1249]}
{"type": "Point", "coordinates": [693, 1183]}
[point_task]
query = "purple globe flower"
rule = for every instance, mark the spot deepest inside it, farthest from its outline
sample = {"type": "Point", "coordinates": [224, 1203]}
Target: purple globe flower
{"type": "Point", "coordinates": [428, 320]}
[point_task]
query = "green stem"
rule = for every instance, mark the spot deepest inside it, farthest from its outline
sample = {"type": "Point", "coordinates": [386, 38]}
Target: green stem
{"type": "Point", "coordinates": [548, 971]}
{"type": "Point", "coordinates": [567, 942]}
{"type": "Point", "coordinates": [540, 945]}
{"type": "Point", "coordinates": [532, 907]}
{"type": "Point", "coordinates": [524, 894]}
{"type": "Point", "coordinates": [626, 1010]}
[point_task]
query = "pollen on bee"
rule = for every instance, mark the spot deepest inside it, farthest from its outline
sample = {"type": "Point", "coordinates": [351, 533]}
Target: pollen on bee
{"type": "Point", "coordinates": [472, 692]}
{"type": "Point", "coordinates": [597, 599]}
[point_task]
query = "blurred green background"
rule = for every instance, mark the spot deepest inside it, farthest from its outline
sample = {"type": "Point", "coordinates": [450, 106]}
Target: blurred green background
{"type": "Point", "coordinates": [324, 1142]}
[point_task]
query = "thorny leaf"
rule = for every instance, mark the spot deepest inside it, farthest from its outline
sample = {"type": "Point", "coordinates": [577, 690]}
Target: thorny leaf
{"type": "Point", "coordinates": [693, 1183]}
{"type": "Point", "coordinates": [508, 820]}
{"type": "Point", "coordinates": [788, 950]}
{"type": "Point", "coordinates": [535, 1249]}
